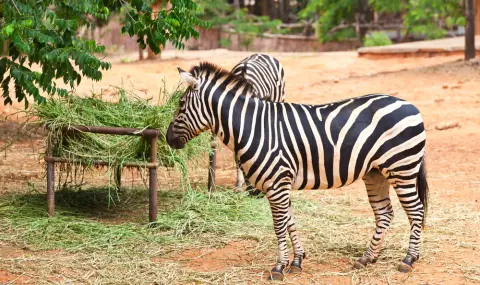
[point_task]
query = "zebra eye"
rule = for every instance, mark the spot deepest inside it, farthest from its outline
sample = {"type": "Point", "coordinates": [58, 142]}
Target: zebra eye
{"type": "Point", "coordinates": [181, 103]}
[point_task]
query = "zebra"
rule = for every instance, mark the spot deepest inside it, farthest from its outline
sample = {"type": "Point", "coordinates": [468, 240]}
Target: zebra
{"type": "Point", "coordinates": [265, 73]}
{"type": "Point", "coordinates": [284, 146]}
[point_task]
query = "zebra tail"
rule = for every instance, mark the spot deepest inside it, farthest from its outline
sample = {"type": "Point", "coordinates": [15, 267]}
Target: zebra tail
{"type": "Point", "coordinates": [422, 188]}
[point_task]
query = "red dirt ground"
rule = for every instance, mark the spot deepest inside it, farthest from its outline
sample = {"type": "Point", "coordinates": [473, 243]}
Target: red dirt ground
{"type": "Point", "coordinates": [444, 93]}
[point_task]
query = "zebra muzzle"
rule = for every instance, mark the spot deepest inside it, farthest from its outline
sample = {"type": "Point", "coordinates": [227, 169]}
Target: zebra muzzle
{"type": "Point", "coordinates": [173, 140]}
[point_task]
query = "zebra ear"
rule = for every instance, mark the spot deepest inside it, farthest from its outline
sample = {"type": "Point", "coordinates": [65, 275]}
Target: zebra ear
{"type": "Point", "coordinates": [187, 77]}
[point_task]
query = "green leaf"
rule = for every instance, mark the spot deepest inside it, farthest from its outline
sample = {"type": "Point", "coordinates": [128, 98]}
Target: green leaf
{"type": "Point", "coordinates": [45, 33]}
{"type": "Point", "coordinates": [137, 27]}
{"type": "Point", "coordinates": [20, 44]}
{"type": "Point", "coordinates": [461, 21]}
{"type": "Point", "coordinates": [6, 93]}
{"type": "Point", "coordinates": [8, 30]}
{"type": "Point", "coordinates": [26, 23]}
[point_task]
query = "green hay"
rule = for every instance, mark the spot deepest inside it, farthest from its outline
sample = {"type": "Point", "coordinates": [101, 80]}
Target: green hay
{"type": "Point", "coordinates": [123, 109]}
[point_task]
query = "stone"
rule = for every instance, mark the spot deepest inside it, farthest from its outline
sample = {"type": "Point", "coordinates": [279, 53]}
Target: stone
{"type": "Point", "coordinates": [446, 125]}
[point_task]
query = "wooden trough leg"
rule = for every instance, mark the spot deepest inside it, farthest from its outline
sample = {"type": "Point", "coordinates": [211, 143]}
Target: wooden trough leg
{"type": "Point", "coordinates": [152, 185]}
{"type": "Point", "coordinates": [51, 188]}
{"type": "Point", "coordinates": [213, 162]}
{"type": "Point", "coordinates": [118, 178]}
{"type": "Point", "coordinates": [50, 180]}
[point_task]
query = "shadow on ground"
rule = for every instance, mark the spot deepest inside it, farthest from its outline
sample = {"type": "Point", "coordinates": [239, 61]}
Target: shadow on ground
{"type": "Point", "coordinates": [103, 203]}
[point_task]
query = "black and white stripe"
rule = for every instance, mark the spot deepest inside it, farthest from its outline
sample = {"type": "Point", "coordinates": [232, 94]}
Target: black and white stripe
{"type": "Point", "coordinates": [377, 138]}
{"type": "Point", "coordinates": [265, 73]}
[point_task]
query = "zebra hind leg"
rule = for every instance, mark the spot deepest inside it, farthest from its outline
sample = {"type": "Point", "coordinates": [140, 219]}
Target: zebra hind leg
{"type": "Point", "coordinates": [240, 177]}
{"type": "Point", "coordinates": [407, 194]}
{"type": "Point", "coordinates": [413, 196]}
{"type": "Point", "coordinates": [252, 191]}
{"type": "Point", "coordinates": [408, 178]}
{"type": "Point", "coordinates": [299, 253]}
{"type": "Point", "coordinates": [279, 199]}
{"type": "Point", "coordinates": [379, 198]}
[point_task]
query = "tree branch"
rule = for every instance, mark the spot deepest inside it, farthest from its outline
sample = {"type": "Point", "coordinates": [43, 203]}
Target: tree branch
{"type": "Point", "coordinates": [13, 2]}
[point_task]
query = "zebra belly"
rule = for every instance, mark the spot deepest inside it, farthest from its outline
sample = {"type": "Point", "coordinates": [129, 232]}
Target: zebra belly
{"type": "Point", "coordinates": [300, 180]}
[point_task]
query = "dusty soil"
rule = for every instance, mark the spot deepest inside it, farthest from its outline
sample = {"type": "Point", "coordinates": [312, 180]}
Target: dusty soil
{"type": "Point", "coordinates": [446, 91]}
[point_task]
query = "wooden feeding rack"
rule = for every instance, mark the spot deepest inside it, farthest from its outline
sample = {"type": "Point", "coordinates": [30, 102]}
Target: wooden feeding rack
{"type": "Point", "coordinates": [151, 136]}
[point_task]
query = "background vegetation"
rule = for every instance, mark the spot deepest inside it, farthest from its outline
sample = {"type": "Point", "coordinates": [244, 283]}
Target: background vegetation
{"type": "Point", "coordinates": [50, 33]}
{"type": "Point", "coordinates": [45, 33]}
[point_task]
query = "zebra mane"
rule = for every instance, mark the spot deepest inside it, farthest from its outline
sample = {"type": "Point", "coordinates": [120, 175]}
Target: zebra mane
{"type": "Point", "coordinates": [208, 67]}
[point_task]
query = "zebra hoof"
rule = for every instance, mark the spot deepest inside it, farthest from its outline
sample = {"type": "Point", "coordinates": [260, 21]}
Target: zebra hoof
{"type": "Point", "coordinates": [405, 268]}
{"type": "Point", "coordinates": [295, 269]}
{"type": "Point", "coordinates": [276, 276]}
{"type": "Point", "coordinates": [277, 273]}
{"type": "Point", "coordinates": [359, 265]}
{"type": "Point", "coordinates": [406, 265]}
{"type": "Point", "coordinates": [238, 189]}
{"type": "Point", "coordinates": [255, 193]}
{"type": "Point", "coordinates": [362, 262]}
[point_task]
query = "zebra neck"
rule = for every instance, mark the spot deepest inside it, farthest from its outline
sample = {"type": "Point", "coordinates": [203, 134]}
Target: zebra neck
{"type": "Point", "coordinates": [229, 109]}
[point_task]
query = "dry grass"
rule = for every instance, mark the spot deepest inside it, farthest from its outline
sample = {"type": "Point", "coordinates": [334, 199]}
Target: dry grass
{"type": "Point", "coordinates": [82, 245]}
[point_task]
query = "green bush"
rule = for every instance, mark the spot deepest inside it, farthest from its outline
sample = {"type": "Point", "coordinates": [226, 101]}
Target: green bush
{"type": "Point", "coordinates": [377, 39]}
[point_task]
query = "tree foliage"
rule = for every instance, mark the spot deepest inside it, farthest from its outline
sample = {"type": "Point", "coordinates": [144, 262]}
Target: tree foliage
{"type": "Point", "coordinates": [331, 13]}
{"type": "Point", "coordinates": [220, 14]}
{"type": "Point", "coordinates": [426, 17]}
{"type": "Point", "coordinates": [44, 33]}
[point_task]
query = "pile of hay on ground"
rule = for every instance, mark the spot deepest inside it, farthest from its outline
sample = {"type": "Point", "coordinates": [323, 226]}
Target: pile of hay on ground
{"type": "Point", "coordinates": [122, 109]}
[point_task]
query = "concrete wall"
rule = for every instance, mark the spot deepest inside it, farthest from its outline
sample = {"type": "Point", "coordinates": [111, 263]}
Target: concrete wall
{"type": "Point", "coordinates": [210, 39]}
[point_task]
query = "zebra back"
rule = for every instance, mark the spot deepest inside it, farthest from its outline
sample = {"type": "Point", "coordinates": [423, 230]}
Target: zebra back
{"type": "Point", "coordinates": [265, 73]}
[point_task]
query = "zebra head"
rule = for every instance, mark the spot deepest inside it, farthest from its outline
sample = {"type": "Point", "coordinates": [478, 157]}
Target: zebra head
{"type": "Point", "coordinates": [187, 123]}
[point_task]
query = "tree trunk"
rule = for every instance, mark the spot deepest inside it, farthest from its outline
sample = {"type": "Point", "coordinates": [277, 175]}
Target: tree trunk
{"type": "Point", "coordinates": [140, 53]}
{"type": "Point", "coordinates": [284, 10]}
{"type": "Point", "coordinates": [236, 5]}
{"type": "Point", "coordinates": [469, 30]}
{"type": "Point", "coordinates": [260, 8]}
{"type": "Point", "coordinates": [151, 55]}
{"type": "Point", "coordinates": [477, 17]}
{"type": "Point", "coordinates": [264, 7]}
{"type": "Point", "coordinates": [4, 48]}
{"type": "Point", "coordinates": [364, 15]}
{"type": "Point", "coordinates": [156, 6]}
{"type": "Point", "coordinates": [272, 9]}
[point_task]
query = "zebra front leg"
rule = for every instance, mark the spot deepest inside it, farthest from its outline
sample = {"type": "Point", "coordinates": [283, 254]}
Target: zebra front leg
{"type": "Point", "coordinates": [379, 198]}
{"type": "Point", "coordinates": [299, 252]}
{"type": "Point", "coordinates": [279, 200]}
